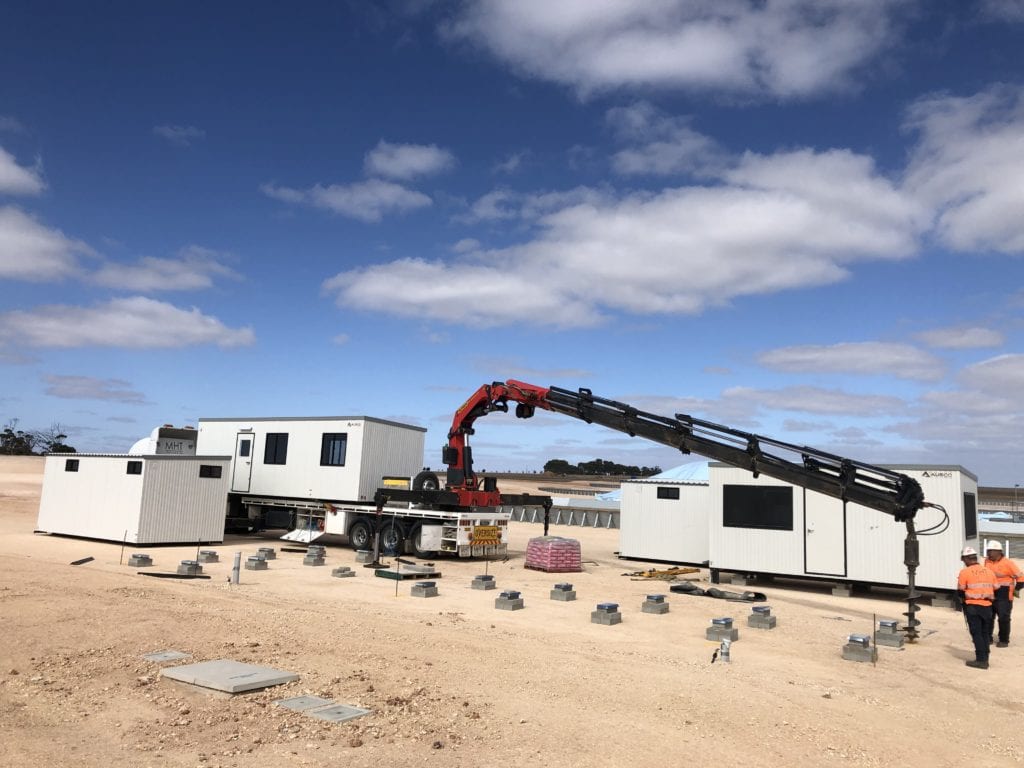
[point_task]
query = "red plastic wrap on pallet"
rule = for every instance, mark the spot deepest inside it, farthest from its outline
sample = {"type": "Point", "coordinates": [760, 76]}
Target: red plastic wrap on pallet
{"type": "Point", "coordinates": [554, 554]}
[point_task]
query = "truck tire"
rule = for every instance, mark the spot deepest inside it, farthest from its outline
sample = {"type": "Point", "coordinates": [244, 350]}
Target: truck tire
{"type": "Point", "coordinates": [360, 534]}
{"type": "Point", "coordinates": [415, 538]}
{"type": "Point", "coordinates": [426, 481]}
{"type": "Point", "coordinates": [392, 538]}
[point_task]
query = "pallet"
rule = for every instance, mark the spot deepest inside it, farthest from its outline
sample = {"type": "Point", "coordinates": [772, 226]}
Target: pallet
{"type": "Point", "coordinates": [404, 575]}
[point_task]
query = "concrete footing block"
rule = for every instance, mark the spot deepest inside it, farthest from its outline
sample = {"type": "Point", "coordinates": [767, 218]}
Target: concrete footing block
{"type": "Point", "coordinates": [607, 614]}
{"type": "Point", "coordinates": [654, 604]}
{"type": "Point", "coordinates": [364, 556]}
{"type": "Point", "coordinates": [267, 553]}
{"type": "Point", "coordinates": [889, 634]}
{"type": "Point", "coordinates": [342, 572]}
{"type": "Point", "coordinates": [509, 600]}
{"type": "Point", "coordinates": [740, 580]}
{"type": "Point", "coordinates": [563, 592]}
{"type": "Point", "coordinates": [722, 629]}
{"type": "Point", "coordinates": [942, 601]}
{"type": "Point", "coordinates": [761, 618]}
{"type": "Point", "coordinates": [314, 560]}
{"type": "Point", "coordinates": [255, 563]}
{"type": "Point", "coordinates": [208, 556]}
{"type": "Point", "coordinates": [859, 648]}
{"type": "Point", "coordinates": [190, 568]}
{"type": "Point", "coordinates": [424, 589]}
{"type": "Point", "coordinates": [139, 560]}
{"type": "Point", "coordinates": [483, 582]}
{"type": "Point", "coordinates": [842, 590]}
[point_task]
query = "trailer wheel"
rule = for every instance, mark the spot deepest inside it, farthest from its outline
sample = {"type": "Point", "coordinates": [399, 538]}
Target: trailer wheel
{"type": "Point", "coordinates": [416, 537]}
{"type": "Point", "coordinates": [360, 534]}
{"type": "Point", "coordinates": [426, 481]}
{"type": "Point", "coordinates": [392, 537]}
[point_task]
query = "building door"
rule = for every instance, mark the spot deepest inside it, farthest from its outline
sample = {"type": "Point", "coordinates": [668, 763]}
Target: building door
{"type": "Point", "coordinates": [824, 535]}
{"type": "Point", "coordinates": [241, 474]}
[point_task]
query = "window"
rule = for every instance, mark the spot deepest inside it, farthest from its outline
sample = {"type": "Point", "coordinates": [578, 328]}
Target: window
{"type": "Point", "coordinates": [134, 468]}
{"type": "Point", "coordinates": [244, 447]}
{"type": "Point", "coordinates": [664, 492]}
{"type": "Point", "coordinates": [210, 470]}
{"type": "Point", "coordinates": [970, 516]}
{"type": "Point", "coordinates": [71, 465]}
{"type": "Point", "coordinates": [757, 506]}
{"type": "Point", "coordinates": [332, 449]}
{"type": "Point", "coordinates": [277, 448]}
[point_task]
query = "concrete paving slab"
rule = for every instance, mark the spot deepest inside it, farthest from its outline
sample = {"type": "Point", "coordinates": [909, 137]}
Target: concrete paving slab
{"type": "Point", "coordinates": [229, 676]}
{"type": "Point", "coordinates": [167, 656]}
{"type": "Point", "coordinates": [339, 713]}
{"type": "Point", "coordinates": [302, 703]}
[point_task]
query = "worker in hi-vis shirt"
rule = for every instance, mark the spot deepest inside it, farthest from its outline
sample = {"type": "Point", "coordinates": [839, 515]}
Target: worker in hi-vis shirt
{"type": "Point", "coordinates": [976, 585]}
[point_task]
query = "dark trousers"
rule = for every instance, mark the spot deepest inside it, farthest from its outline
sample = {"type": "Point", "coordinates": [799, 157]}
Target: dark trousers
{"type": "Point", "coordinates": [1003, 606]}
{"type": "Point", "coordinates": [979, 622]}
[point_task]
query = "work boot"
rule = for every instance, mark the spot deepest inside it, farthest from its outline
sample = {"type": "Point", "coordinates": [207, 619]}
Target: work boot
{"type": "Point", "coordinates": [1002, 644]}
{"type": "Point", "coordinates": [978, 664]}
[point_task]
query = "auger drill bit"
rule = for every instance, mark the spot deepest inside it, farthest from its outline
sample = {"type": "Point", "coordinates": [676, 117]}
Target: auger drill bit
{"type": "Point", "coordinates": [912, 559]}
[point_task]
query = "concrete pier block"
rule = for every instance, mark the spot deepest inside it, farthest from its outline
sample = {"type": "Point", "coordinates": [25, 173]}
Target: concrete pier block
{"type": "Point", "coordinates": [761, 618]}
{"type": "Point", "coordinates": [607, 614]}
{"type": "Point", "coordinates": [342, 572]}
{"type": "Point", "coordinates": [139, 560]}
{"type": "Point", "coordinates": [889, 634]}
{"type": "Point", "coordinates": [654, 604]}
{"type": "Point", "coordinates": [208, 556]}
{"type": "Point", "coordinates": [424, 589]}
{"type": "Point", "coordinates": [268, 553]}
{"type": "Point", "coordinates": [722, 629]}
{"type": "Point", "coordinates": [190, 568]}
{"type": "Point", "coordinates": [842, 590]}
{"type": "Point", "coordinates": [255, 563]}
{"type": "Point", "coordinates": [741, 580]}
{"type": "Point", "coordinates": [483, 582]}
{"type": "Point", "coordinates": [563, 592]}
{"type": "Point", "coordinates": [858, 648]}
{"type": "Point", "coordinates": [509, 600]}
{"type": "Point", "coordinates": [314, 559]}
{"type": "Point", "coordinates": [364, 556]}
{"type": "Point", "coordinates": [942, 601]}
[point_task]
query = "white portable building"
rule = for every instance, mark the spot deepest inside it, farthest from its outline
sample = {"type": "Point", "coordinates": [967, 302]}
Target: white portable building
{"type": "Point", "coordinates": [666, 517]}
{"type": "Point", "coordinates": [335, 458]}
{"type": "Point", "coordinates": [765, 526]}
{"type": "Point", "coordinates": [154, 499]}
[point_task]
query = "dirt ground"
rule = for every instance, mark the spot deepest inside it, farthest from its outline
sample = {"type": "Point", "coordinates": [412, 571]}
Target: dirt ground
{"type": "Point", "coordinates": [453, 682]}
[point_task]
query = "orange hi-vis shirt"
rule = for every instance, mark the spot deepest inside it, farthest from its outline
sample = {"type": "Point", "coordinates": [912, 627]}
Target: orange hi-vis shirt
{"type": "Point", "coordinates": [1006, 572]}
{"type": "Point", "coordinates": [978, 584]}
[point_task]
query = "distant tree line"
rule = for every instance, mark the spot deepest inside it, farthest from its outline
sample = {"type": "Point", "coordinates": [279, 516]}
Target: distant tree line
{"type": "Point", "coordinates": [17, 442]}
{"type": "Point", "coordinates": [598, 467]}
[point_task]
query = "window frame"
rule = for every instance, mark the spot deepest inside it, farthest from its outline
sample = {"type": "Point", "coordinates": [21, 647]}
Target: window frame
{"type": "Point", "coordinates": [970, 500]}
{"type": "Point", "coordinates": [70, 465]}
{"type": "Point", "coordinates": [736, 511]}
{"type": "Point", "coordinates": [328, 439]}
{"type": "Point", "coordinates": [668, 493]}
{"type": "Point", "coordinates": [275, 449]}
{"type": "Point", "coordinates": [133, 467]}
{"type": "Point", "coordinates": [211, 471]}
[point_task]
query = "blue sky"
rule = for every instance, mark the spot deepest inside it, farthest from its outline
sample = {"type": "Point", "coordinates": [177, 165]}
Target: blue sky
{"type": "Point", "coordinates": [797, 218]}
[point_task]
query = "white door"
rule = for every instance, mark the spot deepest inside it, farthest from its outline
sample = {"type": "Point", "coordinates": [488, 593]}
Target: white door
{"type": "Point", "coordinates": [824, 535]}
{"type": "Point", "coordinates": [241, 475]}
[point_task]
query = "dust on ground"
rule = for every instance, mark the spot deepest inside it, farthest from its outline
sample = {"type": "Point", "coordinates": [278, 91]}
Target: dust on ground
{"type": "Point", "coordinates": [450, 680]}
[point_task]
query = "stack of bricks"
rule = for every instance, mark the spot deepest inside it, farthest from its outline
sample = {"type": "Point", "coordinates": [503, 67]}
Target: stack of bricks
{"type": "Point", "coordinates": [554, 554]}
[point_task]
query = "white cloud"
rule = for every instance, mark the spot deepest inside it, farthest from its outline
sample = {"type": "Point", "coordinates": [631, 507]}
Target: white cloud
{"type": "Point", "coordinates": [406, 161]}
{"type": "Point", "coordinates": [366, 200]}
{"type": "Point", "coordinates": [9, 124]}
{"type": "Point", "coordinates": [783, 222]}
{"type": "Point", "coordinates": [132, 323]}
{"type": "Point", "coordinates": [180, 135]}
{"type": "Point", "coordinates": [341, 339]}
{"type": "Point", "coordinates": [962, 338]}
{"type": "Point", "coordinates": [16, 179]}
{"type": "Point", "coordinates": [512, 163]}
{"type": "Point", "coordinates": [863, 357]}
{"type": "Point", "coordinates": [195, 268]}
{"type": "Point", "coordinates": [816, 400]}
{"type": "Point", "coordinates": [968, 165]}
{"type": "Point", "coordinates": [665, 145]}
{"type": "Point", "coordinates": [1004, 10]}
{"type": "Point", "coordinates": [1001, 375]}
{"type": "Point", "coordinates": [89, 388]}
{"type": "Point", "coordinates": [34, 252]}
{"type": "Point", "coordinates": [787, 48]}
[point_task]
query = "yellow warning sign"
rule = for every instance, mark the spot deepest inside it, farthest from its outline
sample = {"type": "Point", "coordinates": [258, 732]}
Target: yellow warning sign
{"type": "Point", "coordinates": [485, 536]}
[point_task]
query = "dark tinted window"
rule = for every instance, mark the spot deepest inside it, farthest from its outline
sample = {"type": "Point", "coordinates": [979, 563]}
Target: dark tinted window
{"type": "Point", "coordinates": [277, 448]}
{"type": "Point", "coordinates": [71, 465]}
{"type": "Point", "coordinates": [970, 516]}
{"type": "Point", "coordinates": [244, 447]}
{"type": "Point", "coordinates": [757, 506]}
{"type": "Point", "coordinates": [333, 448]}
{"type": "Point", "coordinates": [209, 470]}
{"type": "Point", "coordinates": [665, 492]}
{"type": "Point", "coordinates": [134, 468]}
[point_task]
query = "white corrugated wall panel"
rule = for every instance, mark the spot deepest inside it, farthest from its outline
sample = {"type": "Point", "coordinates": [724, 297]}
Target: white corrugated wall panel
{"type": "Point", "coordinates": [388, 451]}
{"type": "Point", "coordinates": [180, 506]}
{"type": "Point", "coordinates": [674, 530]}
{"type": "Point", "coordinates": [99, 501]}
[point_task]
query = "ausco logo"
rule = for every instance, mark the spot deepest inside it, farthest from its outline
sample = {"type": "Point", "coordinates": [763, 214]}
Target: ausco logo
{"type": "Point", "coordinates": [937, 474]}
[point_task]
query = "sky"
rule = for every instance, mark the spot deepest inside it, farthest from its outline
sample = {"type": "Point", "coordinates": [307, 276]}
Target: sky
{"type": "Point", "coordinates": [801, 219]}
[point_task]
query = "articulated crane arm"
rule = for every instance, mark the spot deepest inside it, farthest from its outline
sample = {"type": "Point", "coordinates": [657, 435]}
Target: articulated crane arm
{"type": "Point", "coordinates": [871, 486]}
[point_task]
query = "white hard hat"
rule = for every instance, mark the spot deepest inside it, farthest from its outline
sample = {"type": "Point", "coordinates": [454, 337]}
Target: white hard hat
{"type": "Point", "coordinates": [969, 552]}
{"type": "Point", "coordinates": [994, 545]}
